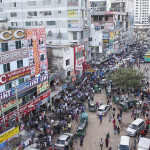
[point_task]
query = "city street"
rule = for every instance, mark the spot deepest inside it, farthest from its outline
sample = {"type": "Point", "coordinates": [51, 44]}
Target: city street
{"type": "Point", "coordinates": [95, 131]}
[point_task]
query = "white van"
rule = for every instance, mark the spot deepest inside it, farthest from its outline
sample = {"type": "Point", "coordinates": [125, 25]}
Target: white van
{"type": "Point", "coordinates": [135, 127]}
{"type": "Point", "coordinates": [144, 144]}
{"type": "Point", "coordinates": [124, 143]}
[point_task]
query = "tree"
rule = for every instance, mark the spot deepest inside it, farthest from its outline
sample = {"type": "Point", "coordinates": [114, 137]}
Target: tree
{"type": "Point", "coordinates": [126, 78]}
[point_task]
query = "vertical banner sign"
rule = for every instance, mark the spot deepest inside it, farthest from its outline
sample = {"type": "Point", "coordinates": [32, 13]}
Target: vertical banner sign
{"type": "Point", "coordinates": [41, 37]}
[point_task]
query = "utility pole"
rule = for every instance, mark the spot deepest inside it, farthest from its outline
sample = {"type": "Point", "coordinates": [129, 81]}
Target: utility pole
{"type": "Point", "coordinates": [17, 102]}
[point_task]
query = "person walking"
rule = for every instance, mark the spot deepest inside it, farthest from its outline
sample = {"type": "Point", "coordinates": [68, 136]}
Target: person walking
{"type": "Point", "coordinates": [114, 122]}
{"type": "Point", "coordinates": [108, 136]}
{"type": "Point", "coordinates": [109, 148]}
{"type": "Point", "coordinates": [81, 141]}
{"type": "Point", "coordinates": [106, 142]}
{"type": "Point", "coordinates": [100, 118]}
{"type": "Point", "coordinates": [110, 117]}
{"type": "Point", "coordinates": [101, 144]}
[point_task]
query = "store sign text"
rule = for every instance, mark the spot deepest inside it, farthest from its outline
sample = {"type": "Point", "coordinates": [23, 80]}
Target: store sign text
{"type": "Point", "coordinates": [79, 48]}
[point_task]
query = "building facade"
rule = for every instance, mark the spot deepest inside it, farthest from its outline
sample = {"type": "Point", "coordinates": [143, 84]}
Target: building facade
{"type": "Point", "coordinates": [141, 11]}
{"type": "Point", "coordinates": [24, 77]}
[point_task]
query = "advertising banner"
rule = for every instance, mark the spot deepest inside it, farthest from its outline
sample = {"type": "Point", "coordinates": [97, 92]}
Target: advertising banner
{"type": "Point", "coordinates": [72, 13]}
{"type": "Point", "coordinates": [105, 35]}
{"type": "Point", "coordinates": [6, 57]}
{"type": "Point", "coordinates": [90, 69]}
{"type": "Point", "coordinates": [79, 48]}
{"type": "Point", "coordinates": [111, 37]}
{"type": "Point", "coordinates": [8, 134]}
{"type": "Point", "coordinates": [72, 3]}
{"type": "Point", "coordinates": [11, 45]}
{"type": "Point", "coordinates": [23, 86]}
{"type": "Point", "coordinates": [79, 67]}
{"type": "Point", "coordinates": [73, 24]}
{"type": "Point", "coordinates": [42, 87]}
{"type": "Point", "coordinates": [10, 76]}
{"type": "Point", "coordinates": [108, 26]}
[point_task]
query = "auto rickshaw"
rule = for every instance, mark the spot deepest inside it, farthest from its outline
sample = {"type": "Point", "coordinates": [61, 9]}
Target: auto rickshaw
{"type": "Point", "coordinates": [81, 129]}
{"type": "Point", "coordinates": [116, 98]}
{"type": "Point", "coordinates": [131, 102]}
{"type": "Point", "coordinates": [84, 117]}
{"type": "Point", "coordinates": [122, 106]}
{"type": "Point", "coordinates": [96, 88]}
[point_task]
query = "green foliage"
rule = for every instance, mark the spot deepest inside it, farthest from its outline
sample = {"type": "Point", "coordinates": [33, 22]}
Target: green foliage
{"type": "Point", "coordinates": [126, 78]}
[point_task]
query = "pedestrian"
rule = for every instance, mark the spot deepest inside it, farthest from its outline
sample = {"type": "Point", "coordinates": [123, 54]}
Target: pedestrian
{"type": "Point", "coordinates": [134, 143]}
{"type": "Point", "coordinates": [114, 122]}
{"type": "Point", "coordinates": [106, 142]}
{"type": "Point", "coordinates": [108, 136]}
{"type": "Point", "coordinates": [118, 130]}
{"type": "Point", "coordinates": [115, 129]}
{"type": "Point", "coordinates": [81, 141]}
{"type": "Point", "coordinates": [100, 118]}
{"type": "Point", "coordinates": [100, 90]}
{"type": "Point", "coordinates": [101, 143]}
{"type": "Point", "coordinates": [110, 117]}
{"type": "Point", "coordinates": [109, 148]}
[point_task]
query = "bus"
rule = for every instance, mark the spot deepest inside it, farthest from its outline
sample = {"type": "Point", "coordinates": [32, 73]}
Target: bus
{"type": "Point", "coordinates": [147, 57]}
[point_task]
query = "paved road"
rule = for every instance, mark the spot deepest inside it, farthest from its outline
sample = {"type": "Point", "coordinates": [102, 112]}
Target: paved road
{"type": "Point", "coordinates": [95, 131]}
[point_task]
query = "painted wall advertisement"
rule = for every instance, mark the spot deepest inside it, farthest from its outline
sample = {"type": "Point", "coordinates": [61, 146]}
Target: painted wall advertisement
{"type": "Point", "coordinates": [42, 87]}
{"type": "Point", "coordinates": [24, 86]}
{"type": "Point", "coordinates": [72, 3]}
{"type": "Point", "coordinates": [8, 134]}
{"type": "Point", "coordinates": [72, 13]}
{"type": "Point", "coordinates": [10, 76]}
{"type": "Point", "coordinates": [73, 24]}
{"type": "Point", "coordinates": [26, 108]}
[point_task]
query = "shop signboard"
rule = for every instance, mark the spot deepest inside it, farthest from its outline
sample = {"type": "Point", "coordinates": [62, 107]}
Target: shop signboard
{"type": "Point", "coordinates": [8, 134]}
{"type": "Point", "coordinates": [10, 76]}
{"type": "Point", "coordinates": [23, 86]}
{"type": "Point", "coordinates": [42, 87]}
{"type": "Point", "coordinates": [72, 3]}
{"type": "Point", "coordinates": [72, 13]}
{"type": "Point", "coordinates": [90, 70]}
{"type": "Point", "coordinates": [105, 35]}
{"type": "Point", "coordinates": [9, 56]}
{"type": "Point", "coordinates": [73, 24]}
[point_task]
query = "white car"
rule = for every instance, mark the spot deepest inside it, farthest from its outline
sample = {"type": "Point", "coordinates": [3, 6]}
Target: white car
{"type": "Point", "coordinates": [144, 144]}
{"type": "Point", "coordinates": [124, 143]}
{"type": "Point", "coordinates": [102, 110]}
{"type": "Point", "coordinates": [63, 140]}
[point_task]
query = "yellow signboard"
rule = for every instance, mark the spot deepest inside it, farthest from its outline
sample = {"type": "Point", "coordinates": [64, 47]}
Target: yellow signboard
{"type": "Point", "coordinates": [90, 69]}
{"type": "Point", "coordinates": [8, 134]}
{"type": "Point", "coordinates": [42, 87]}
{"type": "Point", "coordinates": [72, 13]}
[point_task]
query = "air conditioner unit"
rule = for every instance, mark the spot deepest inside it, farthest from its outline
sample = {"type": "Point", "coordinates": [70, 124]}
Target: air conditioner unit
{"type": "Point", "coordinates": [59, 11]}
{"type": "Point", "coordinates": [49, 33]}
{"type": "Point", "coordinates": [29, 16]}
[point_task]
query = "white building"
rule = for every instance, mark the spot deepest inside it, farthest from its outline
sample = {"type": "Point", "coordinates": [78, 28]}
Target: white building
{"type": "Point", "coordinates": [66, 21]}
{"type": "Point", "coordinates": [141, 11]}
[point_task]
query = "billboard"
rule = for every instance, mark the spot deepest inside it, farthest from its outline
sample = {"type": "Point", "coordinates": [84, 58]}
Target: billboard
{"type": "Point", "coordinates": [10, 76]}
{"type": "Point", "coordinates": [9, 56]}
{"type": "Point", "coordinates": [42, 87]}
{"type": "Point", "coordinates": [73, 24]}
{"type": "Point", "coordinates": [72, 13]}
{"type": "Point", "coordinates": [72, 3]}
{"type": "Point", "coordinates": [111, 37]}
{"type": "Point", "coordinates": [105, 35]}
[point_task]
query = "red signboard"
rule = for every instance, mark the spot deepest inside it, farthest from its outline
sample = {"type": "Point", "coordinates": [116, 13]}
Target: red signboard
{"type": "Point", "coordinates": [87, 66]}
{"type": "Point", "coordinates": [5, 78]}
{"type": "Point", "coordinates": [26, 108]}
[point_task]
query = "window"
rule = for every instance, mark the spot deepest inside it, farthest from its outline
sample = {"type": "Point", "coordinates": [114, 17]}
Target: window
{"type": "Point", "coordinates": [6, 67]}
{"type": "Point", "coordinates": [8, 86]}
{"type": "Point", "coordinates": [13, 23]}
{"type": "Point", "coordinates": [42, 57]}
{"type": "Point", "coordinates": [19, 63]}
{"type": "Point", "coordinates": [32, 13]}
{"type": "Point", "coordinates": [1, 1]}
{"type": "Point", "coordinates": [46, 2]}
{"type": "Point", "coordinates": [12, 4]}
{"type": "Point", "coordinates": [31, 23]}
{"type": "Point", "coordinates": [50, 23]}
{"type": "Point", "coordinates": [18, 44]}
{"type": "Point", "coordinates": [31, 3]}
{"type": "Point", "coordinates": [81, 34]}
{"type": "Point", "coordinates": [67, 62]}
{"type": "Point", "coordinates": [21, 80]}
{"type": "Point", "coordinates": [74, 35]}
{"type": "Point", "coordinates": [4, 47]}
{"type": "Point", "coordinates": [95, 18]}
{"type": "Point", "coordinates": [14, 14]}
{"type": "Point", "coordinates": [68, 73]}
{"type": "Point", "coordinates": [47, 13]}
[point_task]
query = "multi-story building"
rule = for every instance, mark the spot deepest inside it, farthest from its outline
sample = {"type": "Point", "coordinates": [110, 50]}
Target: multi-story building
{"type": "Point", "coordinates": [23, 73]}
{"type": "Point", "coordinates": [112, 22]}
{"type": "Point", "coordinates": [66, 23]}
{"type": "Point", "coordinates": [141, 11]}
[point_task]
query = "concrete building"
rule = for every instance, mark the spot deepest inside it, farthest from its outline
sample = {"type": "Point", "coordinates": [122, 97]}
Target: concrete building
{"type": "Point", "coordinates": [113, 22]}
{"type": "Point", "coordinates": [66, 21]}
{"type": "Point", "coordinates": [141, 11]}
{"type": "Point", "coordinates": [23, 74]}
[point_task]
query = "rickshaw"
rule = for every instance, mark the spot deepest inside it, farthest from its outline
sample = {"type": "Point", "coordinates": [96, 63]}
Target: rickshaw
{"type": "Point", "coordinates": [108, 91]}
{"type": "Point", "coordinates": [84, 117]}
{"type": "Point", "coordinates": [122, 106]}
{"type": "Point", "coordinates": [96, 88]}
{"type": "Point", "coordinates": [131, 102]}
{"type": "Point", "coordinates": [81, 129]}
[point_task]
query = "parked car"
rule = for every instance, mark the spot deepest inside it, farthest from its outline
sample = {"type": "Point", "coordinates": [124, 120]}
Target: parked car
{"type": "Point", "coordinates": [132, 102]}
{"type": "Point", "coordinates": [124, 143]}
{"type": "Point", "coordinates": [135, 127]}
{"type": "Point", "coordinates": [103, 109]}
{"type": "Point", "coordinates": [91, 106]}
{"type": "Point", "coordinates": [122, 106]}
{"type": "Point", "coordinates": [144, 144]}
{"type": "Point", "coordinates": [63, 140]}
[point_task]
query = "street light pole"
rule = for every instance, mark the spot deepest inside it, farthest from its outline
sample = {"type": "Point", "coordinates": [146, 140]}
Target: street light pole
{"type": "Point", "coordinates": [17, 102]}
